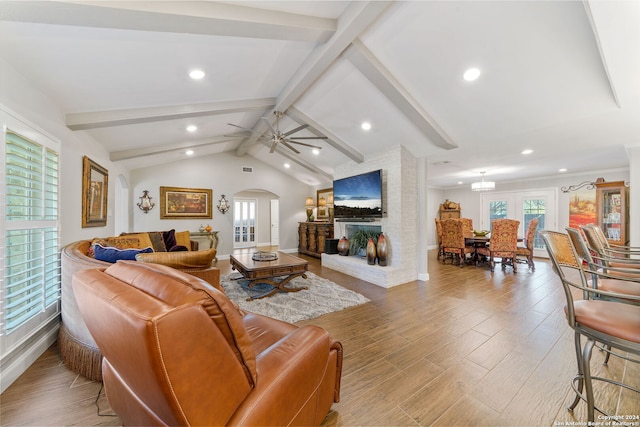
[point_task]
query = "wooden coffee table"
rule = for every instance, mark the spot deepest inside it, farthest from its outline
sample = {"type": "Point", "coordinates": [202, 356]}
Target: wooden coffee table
{"type": "Point", "coordinates": [287, 266]}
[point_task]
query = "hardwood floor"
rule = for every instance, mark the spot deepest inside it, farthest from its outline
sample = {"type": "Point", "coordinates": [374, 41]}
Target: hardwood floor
{"type": "Point", "coordinates": [465, 348]}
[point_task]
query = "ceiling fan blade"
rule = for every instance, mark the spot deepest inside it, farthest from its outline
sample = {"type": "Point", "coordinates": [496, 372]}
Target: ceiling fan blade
{"type": "Point", "coordinates": [302, 143]}
{"type": "Point", "coordinates": [308, 137]}
{"type": "Point", "coordinates": [295, 130]}
{"type": "Point", "coordinates": [273, 146]}
{"type": "Point", "coordinates": [289, 147]}
{"type": "Point", "coordinates": [244, 129]}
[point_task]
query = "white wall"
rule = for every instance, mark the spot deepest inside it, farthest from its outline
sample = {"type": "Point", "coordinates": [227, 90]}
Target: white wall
{"type": "Point", "coordinates": [23, 98]}
{"type": "Point", "coordinates": [223, 174]}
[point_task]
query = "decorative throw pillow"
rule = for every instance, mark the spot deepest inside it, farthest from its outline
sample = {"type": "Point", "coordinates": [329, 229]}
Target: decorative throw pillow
{"type": "Point", "coordinates": [145, 240]}
{"type": "Point", "coordinates": [178, 248]}
{"type": "Point", "coordinates": [114, 242]}
{"type": "Point", "coordinates": [169, 238]}
{"type": "Point", "coordinates": [183, 238]}
{"type": "Point", "coordinates": [182, 260]}
{"type": "Point", "coordinates": [111, 254]}
{"type": "Point", "coordinates": [157, 241]}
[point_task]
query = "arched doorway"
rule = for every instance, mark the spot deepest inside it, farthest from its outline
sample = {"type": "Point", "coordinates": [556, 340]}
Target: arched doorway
{"type": "Point", "coordinates": [255, 218]}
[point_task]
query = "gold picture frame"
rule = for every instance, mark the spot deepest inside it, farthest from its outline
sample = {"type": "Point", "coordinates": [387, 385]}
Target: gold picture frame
{"type": "Point", "coordinates": [324, 209]}
{"type": "Point", "coordinates": [95, 192]}
{"type": "Point", "coordinates": [185, 203]}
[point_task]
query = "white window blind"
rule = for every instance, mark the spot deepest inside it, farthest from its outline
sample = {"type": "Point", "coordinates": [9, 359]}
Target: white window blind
{"type": "Point", "coordinates": [30, 242]}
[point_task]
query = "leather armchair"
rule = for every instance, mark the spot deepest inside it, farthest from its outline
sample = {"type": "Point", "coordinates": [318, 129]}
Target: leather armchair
{"type": "Point", "coordinates": [177, 351]}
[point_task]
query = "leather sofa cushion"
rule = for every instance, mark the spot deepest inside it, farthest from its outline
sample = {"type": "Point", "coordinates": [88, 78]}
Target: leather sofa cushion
{"type": "Point", "coordinates": [181, 260]}
{"type": "Point", "coordinates": [222, 311]}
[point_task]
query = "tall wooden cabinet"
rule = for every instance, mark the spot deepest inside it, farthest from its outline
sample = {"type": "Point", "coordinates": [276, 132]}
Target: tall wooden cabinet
{"type": "Point", "coordinates": [612, 200]}
{"type": "Point", "coordinates": [312, 237]}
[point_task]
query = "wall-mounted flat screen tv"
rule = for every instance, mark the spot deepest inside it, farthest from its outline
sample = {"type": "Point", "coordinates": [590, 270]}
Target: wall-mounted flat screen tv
{"type": "Point", "coordinates": [358, 196]}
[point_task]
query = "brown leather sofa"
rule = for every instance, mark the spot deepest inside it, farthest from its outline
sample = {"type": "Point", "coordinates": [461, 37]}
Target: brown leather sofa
{"type": "Point", "coordinates": [76, 345]}
{"type": "Point", "coordinates": [178, 352]}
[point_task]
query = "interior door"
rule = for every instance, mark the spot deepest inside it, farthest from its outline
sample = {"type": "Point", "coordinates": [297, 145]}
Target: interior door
{"type": "Point", "coordinates": [244, 223]}
{"type": "Point", "coordinates": [523, 206]}
{"type": "Point", "coordinates": [275, 225]}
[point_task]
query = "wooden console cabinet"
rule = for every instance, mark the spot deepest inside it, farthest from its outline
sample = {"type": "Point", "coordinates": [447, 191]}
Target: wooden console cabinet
{"type": "Point", "coordinates": [312, 237]}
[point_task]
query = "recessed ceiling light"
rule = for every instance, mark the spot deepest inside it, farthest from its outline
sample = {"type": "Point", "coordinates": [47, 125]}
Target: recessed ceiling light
{"type": "Point", "coordinates": [527, 151]}
{"type": "Point", "coordinates": [192, 128]}
{"type": "Point", "coordinates": [562, 170]}
{"type": "Point", "coordinates": [189, 152]}
{"type": "Point", "coordinates": [460, 182]}
{"type": "Point", "coordinates": [315, 151]}
{"type": "Point", "coordinates": [287, 165]}
{"type": "Point", "coordinates": [471, 74]}
{"type": "Point", "coordinates": [366, 125]}
{"type": "Point", "coordinates": [196, 74]}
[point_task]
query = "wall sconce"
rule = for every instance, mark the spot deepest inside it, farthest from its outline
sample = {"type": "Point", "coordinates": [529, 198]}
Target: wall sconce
{"type": "Point", "coordinates": [145, 204]}
{"type": "Point", "coordinates": [309, 204]}
{"type": "Point", "coordinates": [223, 205]}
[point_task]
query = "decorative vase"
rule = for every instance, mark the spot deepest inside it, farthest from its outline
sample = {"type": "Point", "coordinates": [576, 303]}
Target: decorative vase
{"type": "Point", "coordinates": [382, 250]}
{"type": "Point", "coordinates": [201, 229]}
{"type": "Point", "coordinates": [371, 252]}
{"type": "Point", "coordinates": [343, 246]}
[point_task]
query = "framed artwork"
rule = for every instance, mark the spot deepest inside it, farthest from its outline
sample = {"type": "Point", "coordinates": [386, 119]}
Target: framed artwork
{"type": "Point", "coordinates": [95, 188]}
{"type": "Point", "coordinates": [324, 202]}
{"type": "Point", "coordinates": [185, 203]}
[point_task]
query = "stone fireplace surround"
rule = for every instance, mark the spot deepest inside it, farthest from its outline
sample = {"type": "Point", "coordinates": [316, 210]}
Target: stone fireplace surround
{"type": "Point", "coordinates": [399, 223]}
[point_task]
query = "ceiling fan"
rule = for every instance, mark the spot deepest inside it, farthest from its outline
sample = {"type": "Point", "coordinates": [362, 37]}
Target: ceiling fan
{"type": "Point", "coordinates": [283, 138]}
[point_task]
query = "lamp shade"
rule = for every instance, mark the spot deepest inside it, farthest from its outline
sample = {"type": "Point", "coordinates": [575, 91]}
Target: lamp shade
{"type": "Point", "coordinates": [309, 202]}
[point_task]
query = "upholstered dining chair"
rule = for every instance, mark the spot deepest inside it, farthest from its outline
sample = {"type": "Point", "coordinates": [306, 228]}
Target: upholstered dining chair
{"type": "Point", "coordinates": [503, 243]}
{"type": "Point", "coordinates": [439, 236]}
{"type": "Point", "coordinates": [615, 324]}
{"type": "Point", "coordinates": [453, 241]}
{"type": "Point", "coordinates": [467, 226]}
{"type": "Point", "coordinates": [527, 250]}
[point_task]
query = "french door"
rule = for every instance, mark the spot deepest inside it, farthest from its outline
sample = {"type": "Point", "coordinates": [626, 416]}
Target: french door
{"type": "Point", "coordinates": [523, 206]}
{"type": "Point", "coordinates": [244, 223]}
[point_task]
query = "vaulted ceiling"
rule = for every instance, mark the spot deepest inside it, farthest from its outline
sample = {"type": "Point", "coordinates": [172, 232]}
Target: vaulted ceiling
{"type": "Point", "coordinates": [557, 77]}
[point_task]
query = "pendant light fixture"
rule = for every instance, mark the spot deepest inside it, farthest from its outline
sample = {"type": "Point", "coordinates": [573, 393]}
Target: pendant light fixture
{"type": "Point", "coordinates": [483, 185]}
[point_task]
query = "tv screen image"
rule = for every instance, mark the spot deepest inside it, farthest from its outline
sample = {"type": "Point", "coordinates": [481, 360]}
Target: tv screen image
{"type": "Point", "coordinates": [358, 196]}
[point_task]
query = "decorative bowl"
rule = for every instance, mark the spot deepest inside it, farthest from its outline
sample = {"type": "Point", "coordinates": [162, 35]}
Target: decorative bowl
{"type": "Point", "coordinates": [481, 233]}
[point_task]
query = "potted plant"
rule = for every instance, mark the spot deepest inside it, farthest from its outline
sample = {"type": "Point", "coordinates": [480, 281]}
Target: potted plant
{"type": "Point", "coordinates": [358, 241]}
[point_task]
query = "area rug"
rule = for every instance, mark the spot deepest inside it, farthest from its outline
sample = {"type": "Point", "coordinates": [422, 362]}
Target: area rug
{"type": "Point", "coordinates": [322, 296]}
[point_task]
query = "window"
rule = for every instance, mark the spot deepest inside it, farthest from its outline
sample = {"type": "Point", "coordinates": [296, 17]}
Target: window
{"type": "Point", "coordinates": [244, 223]}
{"type": "Point", "coordinates": [30, 269]}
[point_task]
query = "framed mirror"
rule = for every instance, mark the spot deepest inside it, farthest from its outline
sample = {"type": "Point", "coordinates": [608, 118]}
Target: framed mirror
{"type": "Point", "coordinates": [95, 189]}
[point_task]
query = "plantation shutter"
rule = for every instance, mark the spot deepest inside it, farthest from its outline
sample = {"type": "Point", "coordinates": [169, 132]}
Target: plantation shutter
{"type": "Point", "coordinates": [31, 267]}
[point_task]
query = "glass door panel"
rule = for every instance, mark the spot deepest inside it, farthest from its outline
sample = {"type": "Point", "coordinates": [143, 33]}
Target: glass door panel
{"type": "Point", "coordinates": [244, 223]}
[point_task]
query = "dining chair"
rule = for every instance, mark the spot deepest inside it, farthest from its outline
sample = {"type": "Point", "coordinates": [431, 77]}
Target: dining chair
{"type": "Point", "coordinates": [503, 243]}
{"type": "Point", "coordinates": [467, 226]}
{"type": "Point", "coordinates": [605, 242]}
{"type": "Point", "coordinates": [453, 241]}
{"type": "Point", "coordinates": [608, 256]}
{"type": "Point", "coordinates": [527, 250]}
{"type": "Point", "coordinates": [614, 324]}
{"type": "Point", "coordinates": [439, 236]}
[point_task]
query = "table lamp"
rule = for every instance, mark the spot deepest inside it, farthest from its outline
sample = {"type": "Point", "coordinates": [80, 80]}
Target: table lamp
{"type": "Point", "coordinates": [309, 204]}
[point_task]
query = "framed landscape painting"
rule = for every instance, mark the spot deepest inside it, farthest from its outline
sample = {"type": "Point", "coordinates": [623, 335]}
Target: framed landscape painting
{"type": "Point", "coordinates": [95, 187]}
{"type": "Point", "coordinates": [185, 203]}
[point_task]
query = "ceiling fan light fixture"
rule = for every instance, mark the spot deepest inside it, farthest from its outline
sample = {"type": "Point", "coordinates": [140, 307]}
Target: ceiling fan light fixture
{"type": "Point", "coordinates": [483, 185]}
